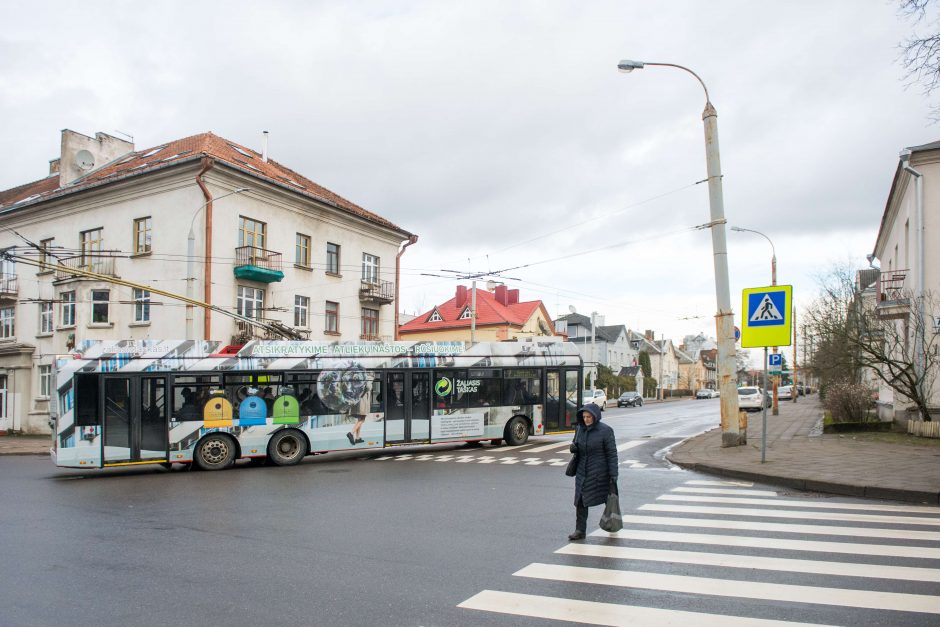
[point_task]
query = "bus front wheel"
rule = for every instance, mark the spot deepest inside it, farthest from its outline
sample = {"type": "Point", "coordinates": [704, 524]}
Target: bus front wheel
{"type": "Point", "coordinates": [517, 431]}
{"type": "Point", "coordinates": [215, 452]}
{"type": "Point", "coordinates": [287, 447]}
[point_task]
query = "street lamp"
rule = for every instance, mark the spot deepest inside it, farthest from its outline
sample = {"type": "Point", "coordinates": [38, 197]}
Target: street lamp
{"type": "Point", "coordinates": [191, 253]}
{"type": "Point", "coordinates": [730, 426]}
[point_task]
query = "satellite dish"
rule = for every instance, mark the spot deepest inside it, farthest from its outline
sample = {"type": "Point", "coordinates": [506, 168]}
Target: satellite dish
{"type": "Point", "coordinates": [572, 309]}
{"type": "Point", "coordinates": [84, 160]}
{"type": "Point", "coordinates": [491, 285]}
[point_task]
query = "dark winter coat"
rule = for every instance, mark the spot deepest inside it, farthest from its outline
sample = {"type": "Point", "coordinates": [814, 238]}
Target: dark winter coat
{"type": "Point", "coordinates": [597, 459]}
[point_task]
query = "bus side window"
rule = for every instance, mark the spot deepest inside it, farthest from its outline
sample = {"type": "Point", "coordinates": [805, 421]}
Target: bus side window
{"type": "Point", "coordinates": [376, 405]}
{"type": "Point", "coordinates": [86, 400]}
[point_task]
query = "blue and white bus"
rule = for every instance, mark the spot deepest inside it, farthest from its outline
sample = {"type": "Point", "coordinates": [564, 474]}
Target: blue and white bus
{"type": "Point", "coordinates": [131, 402]}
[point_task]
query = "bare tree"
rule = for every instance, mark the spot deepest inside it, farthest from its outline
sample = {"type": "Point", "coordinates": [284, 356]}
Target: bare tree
{"type": "Point", "coordinates": [853, 332]}
{"type": "Point", "coordinates": [920, 53]}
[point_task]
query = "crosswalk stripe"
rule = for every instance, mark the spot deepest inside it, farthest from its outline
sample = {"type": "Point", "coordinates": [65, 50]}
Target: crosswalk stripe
{"type": "Point", "coordinates": [629, 445]}
{"type": "Point", "coordinates": [724, 560]}
{"type": "Point", "coordinates": [841, 597]}
{"type": "Point", "coordinates": [463, 459]}
{"type": "Point", "coordinates": [724, 491]}
{"type": "Point", "coordinates": [913, 509]}
{"type": "Point", "coordinates": [748, 525]}
{"type": "Point", "coordinates": [549, 447]}
{"type": "Point", "coordinates": [742, 484]}
{"type": "Point", "coordinates": [597, 613]}
{"type": "Point", "coordinates": [852, 548]}
{"type": "Point", "coordinates": [772, 513]}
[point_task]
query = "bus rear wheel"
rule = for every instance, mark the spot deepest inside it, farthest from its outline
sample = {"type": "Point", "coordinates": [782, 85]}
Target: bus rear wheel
{"type": "Point", "coordinates": [517, 431]}
{"type": "Point", "coordinates": [215, 452]}
{"type": "Point", "coordinates": [287, 447]}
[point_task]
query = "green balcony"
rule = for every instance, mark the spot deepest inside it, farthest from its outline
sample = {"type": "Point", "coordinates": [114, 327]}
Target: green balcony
{"type": "Point", "coordinates": [258, 264]}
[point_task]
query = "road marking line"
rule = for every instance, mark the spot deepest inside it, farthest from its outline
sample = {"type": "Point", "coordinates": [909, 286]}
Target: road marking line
{"type": "Point", "coordinates": [822, 530]}
{"type": "Point", "coordinates": [508, 460]}
{"type": "Point", "coordinates": [402, 457]}
{"type": "Point", "coordinates": [725, 491]}
{"type": "Point", "coordinates": [638, 466]}
{"type": "Point", "coordinates": [772, 513]}
{"type": "Point", "coordinates": [742, 484]}
{"type": "Point", "coordinates": [533, 461]}
{"type": "Point", "coordinates": [559, 463]}
{"type": "Point", "coordinates": [629, 445]}
{"type": "Point", "coordinates": [486, 460]}
{"type": "Point", "coordinates": [724, 560]}
{"type": "Point", "coordinates": [598, 613]}
{"type": "Point", "coordinates": [384, 457]}
{"type": "Point", "coordinates": [463, 459]}
{"type": "Point", "coordinates": [549, 447]}
{"type": "Point", "coordinates": [841, 597]}
{"type": "Point", "coordinates": [851, 548]}
{"type": "Point", "coordinates": [423, 458]}
{"type": "Point", "coordinates": [914, 509]}
{"type": "Point", "coordinates": [443, 458]}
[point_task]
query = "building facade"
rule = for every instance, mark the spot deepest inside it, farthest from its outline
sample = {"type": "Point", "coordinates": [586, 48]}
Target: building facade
{"type": "Point", "coordinates": [267, 244]}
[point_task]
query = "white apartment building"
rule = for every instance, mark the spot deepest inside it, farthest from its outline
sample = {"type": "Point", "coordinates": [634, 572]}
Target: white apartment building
{"type": "Point", "coordinates": [269, 244]}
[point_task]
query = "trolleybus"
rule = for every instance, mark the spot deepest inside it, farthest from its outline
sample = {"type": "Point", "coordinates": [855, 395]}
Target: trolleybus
{"type": "Point", "coordinates": [127, 402]}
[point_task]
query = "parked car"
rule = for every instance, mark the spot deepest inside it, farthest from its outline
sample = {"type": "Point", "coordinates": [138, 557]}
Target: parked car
{"type": "Point", "coordinates": [703, 393]}
{"type": "Point", "coordinates": [785, 393]}
{"type": "Point", "coordinates": [630, 399]}
{"type": "Point", "coordinates": [752, 398]}
{"type": "Point", "coordinates": [598, 397]}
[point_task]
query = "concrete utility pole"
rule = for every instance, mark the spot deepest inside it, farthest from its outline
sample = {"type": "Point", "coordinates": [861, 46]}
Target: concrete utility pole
{"type": "Point", "coordinates": [593, 349]}
{"type": "Point", "coordinates": [473, 312]}
{"type": "Point", "coordinates": [731, 431]}
{"type": "Point", "coordinates": [795, 392]}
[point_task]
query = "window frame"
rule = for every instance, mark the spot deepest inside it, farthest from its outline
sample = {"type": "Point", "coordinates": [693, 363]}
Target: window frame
{"type": "Point", "coordinates": [45, 380]}
{"type": "Point", "coordinates": [67, 304]}
{"type": "Point", "coordinates": [141, 305]}
{"type": "Point", "coordinates": [372, 321]}
{"type": "Point", "coordinates": [45, 256]}
{"type": "Point", "coordinates": [248, 228]}
{"type": "Point", "coordinates": [333, 258]}
{"type": "Point", "coordinates": [145, 246]}
{"type": "Point", "coordinates": [371, 265]}
{"type": "Point", "coordinates": [97, 303]}
{"type": "Point", "coordinates": [7, 322]}
{"type": "Point", "coordinates": [302, 246]}
{"type": "Point", "coordinates": [90, 246]}
{"type": "Point", "coordinates": [331, 315]}
{"type": "Point", "coordinates": [301, 311]}
{"type": "Point", "coordinates": [46, 317]}
{"type": "Point", "coordinates": [241, 299]}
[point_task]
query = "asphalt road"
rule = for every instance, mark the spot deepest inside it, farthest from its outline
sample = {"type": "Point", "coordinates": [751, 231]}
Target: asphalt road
{"type": "Point", "coordinates": [450, 535]}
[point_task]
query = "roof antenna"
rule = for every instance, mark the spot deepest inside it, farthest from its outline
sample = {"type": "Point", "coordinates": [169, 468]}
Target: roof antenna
{"type": "Point", "coordinates": [264, 149]}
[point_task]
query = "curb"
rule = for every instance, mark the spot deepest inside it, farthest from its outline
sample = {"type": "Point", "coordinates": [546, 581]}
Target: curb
{"type": "Point", "coordinates": [812, 485]}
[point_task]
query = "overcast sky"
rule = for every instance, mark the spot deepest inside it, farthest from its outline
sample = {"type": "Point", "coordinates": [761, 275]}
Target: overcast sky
{"type": "Point", "coordinates": [502, 133]}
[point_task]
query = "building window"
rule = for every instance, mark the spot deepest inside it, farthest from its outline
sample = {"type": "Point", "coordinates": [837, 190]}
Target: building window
{"type": "Point", "coordinates": [301, 308]}
{"type": "Point", "coordinates": [332, 317]}
{"type": "Point", "coordinates": [141, 305]}
{"type": "Point", "coordinates": [91, 247]}
{"type": "Point", "coordinates": [142, 235]}
{"type": "Point", "coordinates": [370, 324]}
{"type": "Point", "coordinates": [99, 306]}
{"type": "Point", "coordinates": [466, 315]}
{"type": "Point", "coordinates": [370, 268]}
{"type": "Point", "coordinates": [332, 258]}
{"type": "Point", "coordinates": [67, 309]}
{"type": "Point", "coordinates": [7, 322]}
{"type": "Point", "coordinates": [45, 317]}
{"type": "Point", "coordinates": [45, 381]}
{"type": "Point", "coordinates": [435, 316]}
{"type": "Point", "coordinates": [45, 256]}
{"type": "Point", "coordinates": [251, 232]}
{"type": "Point", "coordinates": [302, 250]}
{"type": "Point", "coordinates": [250, 301]}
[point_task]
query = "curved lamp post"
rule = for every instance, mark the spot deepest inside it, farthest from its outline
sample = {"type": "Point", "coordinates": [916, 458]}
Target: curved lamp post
{"type": "Point", "coordinates": [731, 430]}
{"type": "Point", "coordinates": [191, 253]}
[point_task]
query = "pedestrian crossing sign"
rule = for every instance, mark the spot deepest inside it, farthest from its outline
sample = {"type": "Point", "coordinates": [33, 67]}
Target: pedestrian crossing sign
{"type": "Point", "coordinates": [766, 319]}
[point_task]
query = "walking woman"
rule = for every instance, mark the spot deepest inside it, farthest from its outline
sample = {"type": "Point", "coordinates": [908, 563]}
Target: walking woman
{"type": "Point", "coordinates": [596, 448]}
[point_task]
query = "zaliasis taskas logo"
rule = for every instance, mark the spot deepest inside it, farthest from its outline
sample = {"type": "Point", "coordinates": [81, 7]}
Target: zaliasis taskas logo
{"type": "Point", "coordinates": [443, 387]}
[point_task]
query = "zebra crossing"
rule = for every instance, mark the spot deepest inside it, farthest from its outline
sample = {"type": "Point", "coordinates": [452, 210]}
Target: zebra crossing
{"type": "Point", "coordinates": [715, 553]}
{"type": "Point", "coordinates": [551, 454]}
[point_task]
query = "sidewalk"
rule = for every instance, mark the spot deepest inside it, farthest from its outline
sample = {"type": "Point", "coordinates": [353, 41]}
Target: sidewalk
{"type": "Point", "coordinates": [884, 466]}
{"type": "Point", "coordinates": [25, 444]}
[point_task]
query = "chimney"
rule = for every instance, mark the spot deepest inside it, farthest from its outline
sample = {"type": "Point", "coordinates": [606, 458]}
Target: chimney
{"type": "Point", "coordinates": [502, 296]}
{"type": "Point", "coordinates": [513, 297]}
{"type": "Point", "coordinates": [650, 335]}
{"type": "Point", "coordinates": [82, 154]}
{"type": "Point", "coordinates": [54, 166]}
{"type": "Point", "coordinates": [264, 147]}
{"type": "Point", "coordinates": [461, 295]}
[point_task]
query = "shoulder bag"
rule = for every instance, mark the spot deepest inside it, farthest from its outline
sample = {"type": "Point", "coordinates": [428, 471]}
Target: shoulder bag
{"type": "Point", "coordinates": [572, 468]}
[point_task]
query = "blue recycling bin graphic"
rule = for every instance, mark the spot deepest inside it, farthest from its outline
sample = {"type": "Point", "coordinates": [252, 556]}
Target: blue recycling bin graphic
{"type": "Point", "coordinates": [252, 412]}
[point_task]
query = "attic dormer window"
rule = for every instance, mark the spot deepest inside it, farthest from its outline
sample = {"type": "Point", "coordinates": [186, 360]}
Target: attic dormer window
{"type": "Point", "coordinates": [153, 151]}
{"type": "Point", "coordinates": [435, 316]}
{"type": "Point", "coordinates": [241, 152]}
{"type": "Point", "coordinates": [466, 314]}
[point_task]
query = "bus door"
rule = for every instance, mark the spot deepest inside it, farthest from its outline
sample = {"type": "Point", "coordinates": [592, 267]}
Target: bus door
{"type": "Point", "coordinates": [408, 407]}
{"type": "Point", "coordinates": [135, 419]}
{"type": "Point", "coordinates": [561, 399]}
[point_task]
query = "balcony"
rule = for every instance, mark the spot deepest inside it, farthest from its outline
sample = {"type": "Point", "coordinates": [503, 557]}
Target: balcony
{"type": "Point", "coordinates": [88, 263]}
{"type": "Point", "coordinates": [894, 301]}
{"type": "Point", "coordinates": [258, 264]}
{"type": "Point", "coordinates": [9, 287]}
{"type": "Point", "coordinates": [377, 292]}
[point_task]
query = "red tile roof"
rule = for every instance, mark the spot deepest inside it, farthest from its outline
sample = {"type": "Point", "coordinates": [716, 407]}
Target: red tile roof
{"type": "Point", "coordinates": [184, 150]}
{"type": "Point", "coordinates": [489, 312]}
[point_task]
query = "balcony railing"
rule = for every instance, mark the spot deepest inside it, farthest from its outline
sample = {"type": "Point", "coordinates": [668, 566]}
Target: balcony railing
{"type": "Point", "coordinates": [258, 264]}
{"type": "Point", "coordinates": [245, 331]}
{"type": "Point", "coordinates": [380, 292]}
{"type": "Point", "coordinates": [8, 285]}
{"type": "Point", "coordinates": [893, 299]}
{"type": "Point", "coordinates": [88, 263]}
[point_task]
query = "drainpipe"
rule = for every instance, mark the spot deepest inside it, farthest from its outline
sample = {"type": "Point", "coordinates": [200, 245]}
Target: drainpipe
{"type": "Point", "coordinates": [207, 164]}
{"type": "Point", "coordinates": [411, 240]}
{"type": "Point", "coordinates": [920, 326]}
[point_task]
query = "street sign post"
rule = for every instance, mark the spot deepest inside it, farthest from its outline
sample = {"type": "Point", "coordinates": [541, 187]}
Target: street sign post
{"type": "Point", "coordinates": [766, 320]}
